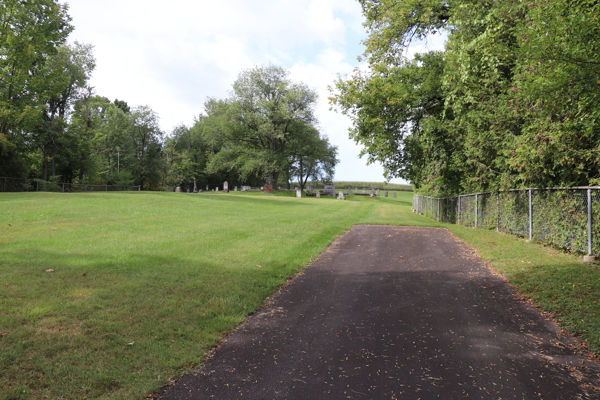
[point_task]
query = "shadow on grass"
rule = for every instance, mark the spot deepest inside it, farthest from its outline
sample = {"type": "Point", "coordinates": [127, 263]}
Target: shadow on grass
{"type": "Point", "coordinates": [120, 324]}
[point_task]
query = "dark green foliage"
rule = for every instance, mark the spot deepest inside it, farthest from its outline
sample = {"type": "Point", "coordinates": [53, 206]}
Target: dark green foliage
{"type": "Point", "coordinates": [518, 87]}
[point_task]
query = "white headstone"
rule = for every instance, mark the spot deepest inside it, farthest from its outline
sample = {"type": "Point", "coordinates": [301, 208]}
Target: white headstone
{"type": "Point", "coordinates": [178, 189]}
{"type": "Point", "coordinates": [235, 188]}
{"type": "Point", "coordinates": [318, 195]}
{"type": "Point", "coordinates": [298, 192]}
{"type": "Point", "coordinates": [207, 188]}
{"type": "Point", "coordinates": [226, 187]}
{"type": "Point", "coordinates": [341, 196]}
{"type": "Point", "coordinates": [217, 189]}
{"type": "Point", "coordinates": [394, 195]}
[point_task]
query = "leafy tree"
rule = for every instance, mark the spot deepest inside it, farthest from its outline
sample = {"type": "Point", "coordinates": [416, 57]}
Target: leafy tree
{"type": "Point", "coordinates": [122, 105]}
{"type": "Point", "coordinates": [557, 92]}
{"type": "Point", "coordinates": [113, 145]}
{"type": "Point", "coordinates": [67, 71]}
{"type": "Point", "coordinates": [30, 32]}
{"type": "Point", "coordinates": [398, 116]}
{"type": "Point", "coordinates": [311, 156]}
{"type": "Point", "coordinates": [254, 127]}
{"type": "Point", "coordinates": [186, 153]}
{"type": "Point", "coordinates": [146, 140]}
{"type": "Point", "coordinates": [519, 85]}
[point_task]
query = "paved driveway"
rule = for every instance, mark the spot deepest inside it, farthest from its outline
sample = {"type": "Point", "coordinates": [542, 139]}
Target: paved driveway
{"type": "Point", "coordinates": [394, 313]}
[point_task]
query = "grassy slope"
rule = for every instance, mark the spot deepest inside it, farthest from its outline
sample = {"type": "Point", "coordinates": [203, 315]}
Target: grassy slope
{"type": "Point", "coordinates": [145, 283]}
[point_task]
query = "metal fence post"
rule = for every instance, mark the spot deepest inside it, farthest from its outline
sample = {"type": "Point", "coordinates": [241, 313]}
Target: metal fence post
{"type": "Point", "coordinates": [458, 211]}
{"type": "Point", "coordinates": [476, 210]}
{"type": "Point", "coordinates": [589, 199]}
{"type": "Point", "coordinates": [439, 210]}
{"type": "Point", "coordinates": [530, 217]}
{"type": "Point", "coordinates": [497, 211]}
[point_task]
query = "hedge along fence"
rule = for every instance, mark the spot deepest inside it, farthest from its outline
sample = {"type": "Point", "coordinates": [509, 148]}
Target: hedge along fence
{"type": "Point", "coordinates": [567, 217]}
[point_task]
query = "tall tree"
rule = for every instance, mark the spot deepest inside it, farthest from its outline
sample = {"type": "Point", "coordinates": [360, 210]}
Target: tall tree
{"type": "Point", "coordinates": [257, 123]}
{"type": "Point", "coordinates": [30, 32]}
{"type": "Point", "coordinates": [311, 156]}
{"type": "Point", "coordinates": [67, 71]}
{"type": "Point", "coordinates": [146, 140]}
{"type": "Point", "coordinates": [518, 82]}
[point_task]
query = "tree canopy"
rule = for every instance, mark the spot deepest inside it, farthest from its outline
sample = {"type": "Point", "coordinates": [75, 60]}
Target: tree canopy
{"type": "Point", "coordinates": [513, 100]}
{"type": "Point", "coordinates": [258, 130]}
{"type": "Point", "coordinates": [54, 126]}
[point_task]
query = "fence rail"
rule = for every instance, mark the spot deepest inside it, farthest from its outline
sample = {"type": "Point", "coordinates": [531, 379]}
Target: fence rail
{"type": "Point", "coordinates": [567, 217]}
{"type": "Point", "coordinates": [37, 185]}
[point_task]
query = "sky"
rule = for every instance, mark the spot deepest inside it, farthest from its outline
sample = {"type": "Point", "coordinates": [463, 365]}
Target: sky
{"type": "Point", "coordinates": [173, 55]}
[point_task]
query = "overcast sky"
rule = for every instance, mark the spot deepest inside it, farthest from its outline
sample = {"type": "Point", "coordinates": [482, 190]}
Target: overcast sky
{"type": "Point", "coordinates": [172, 55]}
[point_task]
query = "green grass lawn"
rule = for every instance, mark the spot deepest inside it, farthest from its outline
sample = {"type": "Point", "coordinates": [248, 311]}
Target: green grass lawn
{"type": "Point", "coordinates": [144, 284]}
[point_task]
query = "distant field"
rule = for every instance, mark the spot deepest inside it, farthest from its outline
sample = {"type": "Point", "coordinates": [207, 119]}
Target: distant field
{"type": "Point", "coordinates": [109, 295]}
{"type": "Point", "coordinates": [375, 185]}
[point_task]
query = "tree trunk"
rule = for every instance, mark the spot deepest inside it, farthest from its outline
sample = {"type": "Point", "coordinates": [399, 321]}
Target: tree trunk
{"type": "Point", "coordinates": [45, 176]}
{"type": "Point", "coordinates": [53, 167]}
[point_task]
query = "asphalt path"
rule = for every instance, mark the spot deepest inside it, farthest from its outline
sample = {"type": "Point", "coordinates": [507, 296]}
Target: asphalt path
{"type": "Point", "coordinates": [394, 313]}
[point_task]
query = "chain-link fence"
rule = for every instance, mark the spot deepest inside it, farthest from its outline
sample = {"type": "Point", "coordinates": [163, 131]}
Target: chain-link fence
{"type": "Point", "coordinates": [568, 217]}
{"type": "Point", "coordinates": [38, 185]}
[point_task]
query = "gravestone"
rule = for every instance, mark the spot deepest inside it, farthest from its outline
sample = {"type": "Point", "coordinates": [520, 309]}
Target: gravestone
{"type": "Point", "coordinates": [349, 192]}
{"type": "Point", "coordinates": [235, 188]}
{"type": "Point", "coordinates": [310, 190]}
{"type": "Point", "coordinates": [371, 195]}
{"type": "Point", "coordinates": [385, 193]}
{"type": "Point", "coordinates": [178, 189]}
{"type": "Point", "coordinates": [226, 187]}
{"type": "Point", "coordinates": [213, 190]}
{"type": "Point", "coordinates": [318, 195]}
{"type": "Point", "coordinates": [195, 188]}
{"type": "Point", "coordinates": [187, 190]}
{"type": "Point", "coordinates": [377, 193]}
{"type": "Point", "coordinates": [268, 189]}
{"type": "Point", "coordinates": [298, 192]}
{"type": "Point", "coordinates": [341, 196]}
{"type": "Point", "coordinates": [330, 190]}
{"type": "Point", "coordinates": [394, 195]}
{"type": "Point", "coordinates": [207, 188]}
{"type": "Point", "coordinates": [217, 189]}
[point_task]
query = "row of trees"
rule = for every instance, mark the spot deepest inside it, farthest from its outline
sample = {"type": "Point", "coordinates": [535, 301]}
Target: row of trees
{"type": "Point", "coordinates": [513, 100]}
{"type": "Point", "coordinates": [54, 126]}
